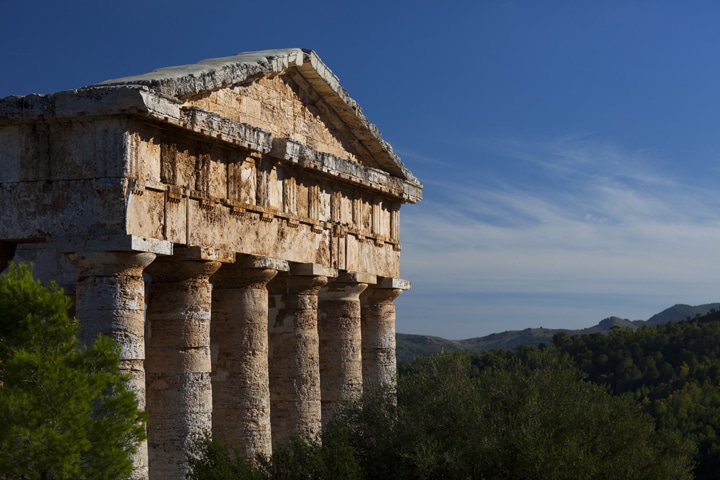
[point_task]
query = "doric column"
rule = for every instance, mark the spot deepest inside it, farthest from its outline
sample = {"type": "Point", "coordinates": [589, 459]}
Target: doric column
{"type": "Point", "coordinates": [179, 394]}
{"type": "Point", "coordinates": [239, 345]}
{"type": "Point", "coordinates": [378, 331]}
{"type": "Point", "coordinates": [340, 340]}
{"type": "Point", "coordinates": [110, 300]}
{"type": "Point", "coordinates": [294, 357]}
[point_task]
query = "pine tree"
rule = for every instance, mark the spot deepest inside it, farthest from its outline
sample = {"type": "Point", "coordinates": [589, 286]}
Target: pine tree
{"type": "Point", "coordinates": [65, 409]}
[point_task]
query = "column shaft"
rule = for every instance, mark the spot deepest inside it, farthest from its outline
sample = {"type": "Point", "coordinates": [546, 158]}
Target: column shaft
{"type": "Point", "coordinates": [378, 335]}
{"type": "Point", "coordinates": [340, 336]}
{"type": "Point", "coordinates": [110, 300]}
{"type": "Point", "coordinates": [239, 343]}
{"type": "Point", "coordinates": [294, 362]}
{"type": "Point", "coordinates": [179, 392]}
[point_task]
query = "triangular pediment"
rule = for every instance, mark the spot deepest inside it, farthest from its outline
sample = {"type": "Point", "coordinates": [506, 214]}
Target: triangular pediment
{"type": "Point", "coordinates": [288, 93]}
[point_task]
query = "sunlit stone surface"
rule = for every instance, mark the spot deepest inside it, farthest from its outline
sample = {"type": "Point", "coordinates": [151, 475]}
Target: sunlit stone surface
{"type": "Point", "coordinates": [232, 224]}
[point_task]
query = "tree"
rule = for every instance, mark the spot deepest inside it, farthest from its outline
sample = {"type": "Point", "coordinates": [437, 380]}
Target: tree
{"type": "Point", "coordinates": [299, 460]}
{"type": "Point", "coordinates": [212, 460]}
{"type": "Point", "coordinates": [529, 415]}
{"type": "Point", "coordinates": [524, 415]}
{"type": "Point", "coordinates": [670, 369]}
{"type": "Point", "coordinates": [543, 420]}
{"type": "Point", "coordinates": [65, 409]}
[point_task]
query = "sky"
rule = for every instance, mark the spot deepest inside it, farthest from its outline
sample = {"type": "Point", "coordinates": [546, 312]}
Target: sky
{"type": "Point", "coordinates": [568, 149]}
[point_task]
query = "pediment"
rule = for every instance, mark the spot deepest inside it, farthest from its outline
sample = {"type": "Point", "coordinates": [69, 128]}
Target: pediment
{"type": "Point", "coordinates": [288, 93]}
{"type": "Point", "coordinates": [278, 105]}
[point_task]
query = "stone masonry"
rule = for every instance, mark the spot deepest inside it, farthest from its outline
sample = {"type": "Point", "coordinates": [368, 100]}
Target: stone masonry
{"type": "Point", "coordinates": [233, 224]}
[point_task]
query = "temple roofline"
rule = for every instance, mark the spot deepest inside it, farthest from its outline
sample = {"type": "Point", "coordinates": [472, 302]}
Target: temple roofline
{"type": "Point", "coordinates": [162, 92]}
{"type": "Point", "coordinates": [185, 81]}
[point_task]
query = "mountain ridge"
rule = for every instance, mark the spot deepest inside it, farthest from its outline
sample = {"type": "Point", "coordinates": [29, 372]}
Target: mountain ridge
{"type": "Point", "coordinates": [410, 346]}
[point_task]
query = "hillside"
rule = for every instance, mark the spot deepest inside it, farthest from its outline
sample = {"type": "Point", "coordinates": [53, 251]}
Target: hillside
{"type": "Point", "coordinates": [410, 346]}
{"type": "Point", "coordinates": [681, 312]}
{"type": "Point", "coordinates": [671, 370]}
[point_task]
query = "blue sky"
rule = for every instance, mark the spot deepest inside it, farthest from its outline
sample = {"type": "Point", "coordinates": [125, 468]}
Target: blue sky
{"type": "Point", "coordinates": [569, 149]}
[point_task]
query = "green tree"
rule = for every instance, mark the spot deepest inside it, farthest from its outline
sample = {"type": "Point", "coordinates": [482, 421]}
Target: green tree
{"type": "Point", "coordinates": [529, 415]}
{"type": "Point", "coordinates": [65, 409]}
{"type": "Point", "coordinates": [524, 415]}
{"type": "Point", "coordinates": [543, 420]}
{"type": "Point", "coordinates": [213, 460]}
{"type": "Point", "coordinates": [299, 460]}
{"type": "Point", "coordinates": [670, 369]}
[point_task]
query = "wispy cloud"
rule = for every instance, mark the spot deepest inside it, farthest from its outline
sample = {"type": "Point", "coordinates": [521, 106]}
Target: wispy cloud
{"type": "Point", "coordinates": [580, 218]}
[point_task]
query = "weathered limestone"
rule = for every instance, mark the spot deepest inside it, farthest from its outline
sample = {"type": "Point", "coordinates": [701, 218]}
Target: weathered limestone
{"type": "Point", "coordinates": [340, 340]}
{"type": "Point", "coordinates": [294, 352]}
{"type": "Point", "coordinates": [378, 331]}
{"type": "Point", "coordinates": [239, 344]}
{"type": "Point", "coordinates": [110, 300]}
{"type": "Point", "coordinates": [179, 392]}
{"type": "Point", "coordinates": [260, 162]}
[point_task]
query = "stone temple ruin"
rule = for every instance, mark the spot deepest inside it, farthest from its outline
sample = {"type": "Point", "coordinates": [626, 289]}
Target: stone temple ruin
{"type": "Point", "coordinates": [233, 224]}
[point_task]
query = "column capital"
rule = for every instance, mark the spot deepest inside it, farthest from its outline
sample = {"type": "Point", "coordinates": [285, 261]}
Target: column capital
{"type": "Point", "coordinates": [355, 277]}
{"type": "Point", "coordinates": [245, 274]}
{"type": "Point", "coordinates": [312, 269]}
{"type": "Point", "coordinates": [347, 286]}
{"type": "Point", "coordinates": [103, 263]}
{"type": "Point", "coordinates": [200, 253]}
{"type": "Point", "coordinates": [390, 282]}
{"type": "Point", "coordinates": [377, 296]}
{"type": "Point", "coordinates": [287, 283]}
{"type": "Point", "coordinates": [177, 269]}
{"type": "Point", "coordinates": [259, 261]}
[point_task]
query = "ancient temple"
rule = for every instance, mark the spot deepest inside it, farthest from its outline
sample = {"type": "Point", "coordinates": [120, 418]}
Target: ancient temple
{"type": "Point", "coordinates": [233, 224]}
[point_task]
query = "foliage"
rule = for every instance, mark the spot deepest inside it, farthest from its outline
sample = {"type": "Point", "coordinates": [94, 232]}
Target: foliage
{"type": "Point", "coordinates": [528, 416]}
{"type": "Point", "coordinates": [65, 410]}
{"type": "Point", "coordinates": [213, 460]}
{"type": "Point", "coordinates": [673, 370]}
{"type": "Point", "coordinates": [331, 460]}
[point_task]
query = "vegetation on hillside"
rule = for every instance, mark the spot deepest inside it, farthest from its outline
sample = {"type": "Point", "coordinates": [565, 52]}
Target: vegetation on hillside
{"type": "Point", "coordinates": [411, 346]}
{"type": "Point", "coordinates": [672, 370]}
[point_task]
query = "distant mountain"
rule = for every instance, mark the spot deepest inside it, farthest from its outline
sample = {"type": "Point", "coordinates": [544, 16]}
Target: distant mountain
{"type": "Point", "coordinates": [411, 346]}
{"type": "Point", "coordinates": [681, 312]}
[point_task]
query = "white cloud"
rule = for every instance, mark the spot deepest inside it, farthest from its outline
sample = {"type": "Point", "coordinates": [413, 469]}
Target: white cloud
{"type": "Point", "coordinates": [582, 219]}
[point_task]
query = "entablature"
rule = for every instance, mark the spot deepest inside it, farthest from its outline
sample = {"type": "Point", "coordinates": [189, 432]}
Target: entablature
{"type": "Point", "coordinates": [140, 102]}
